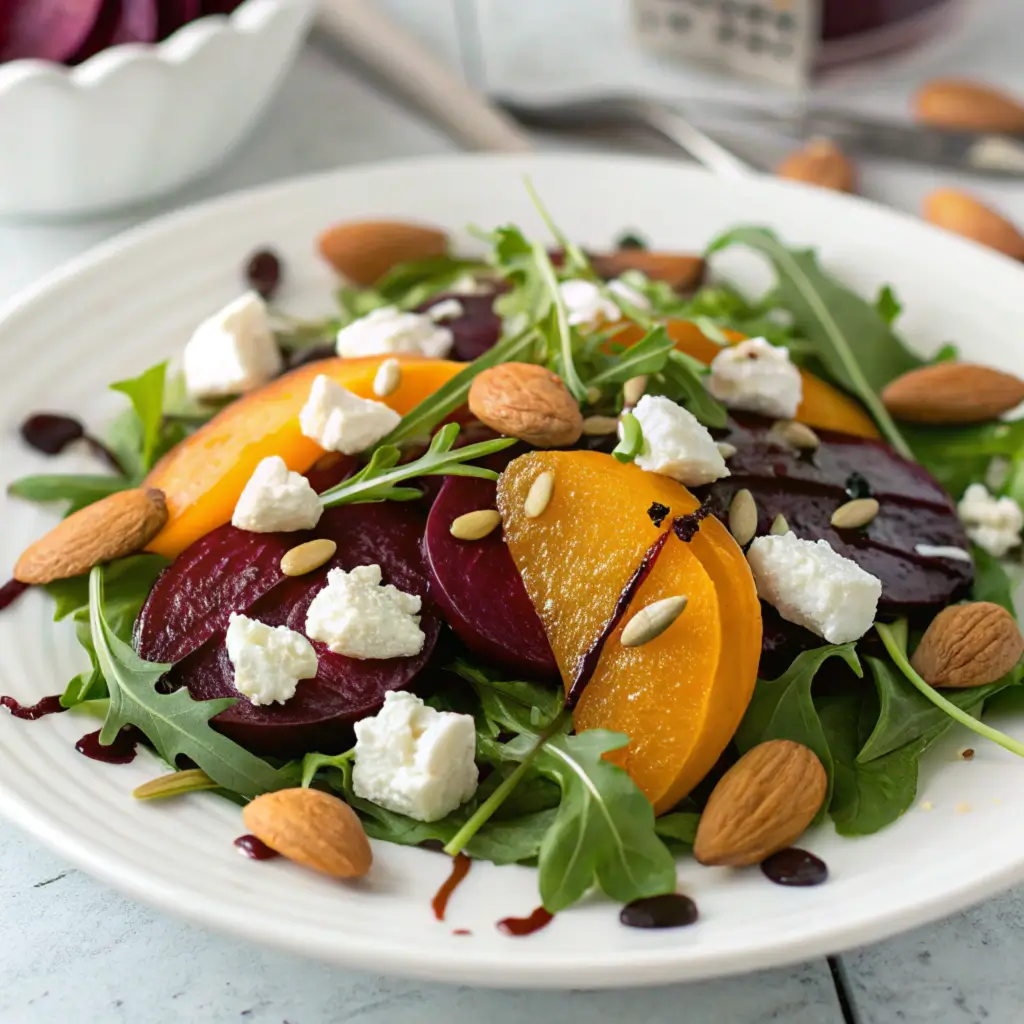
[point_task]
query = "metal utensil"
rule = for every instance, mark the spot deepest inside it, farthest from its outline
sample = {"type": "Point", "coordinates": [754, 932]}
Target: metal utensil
{"type": "Point", "coordinates": [981, 152]}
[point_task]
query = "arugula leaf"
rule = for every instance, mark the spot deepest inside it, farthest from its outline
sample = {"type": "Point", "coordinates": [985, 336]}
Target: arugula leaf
{"type": "Point", "coordinates": [906, 716]}
{"type": "Point", "coordinates": [684, 383]}
{"type": "Point", "coordinates": [424, 417]}
{"type": "Point", "coordinates": [603, 830]}
{"type": "Point", "coordinates": [865, 797]}
{"type": "Point", "coordinates": [947, 353]}
{"type": "Point", "coordinates": [678, 830]}
{"type": "Point", "coordinates": [784, 709]}
{"type": "Point", "coordinates": [647, 356]}
{"type": "Point", "coordinates": [78, 490]}
{"type": "Point", "coordinates": [897, 651]}
{"type": "Point", "coordinates": [851, 340]}
{"type": "Point", "coordinates": [888, 306]}
{"type": "Point", "coordinates": [557, 326]}
{"type": "Point", "coordinates": [376, 480]}
{"type": "Point", "coordinates": [174, 723]}
{"type": "Point", "coordinates": [408, 285]}
{"type": "Point", "coordinates": [991, 580]}
{"type": "Point", "coordinates": [959, 456]}
{"type": "Point", "coordinates": [146, 393]}
{"type": "Point", "coordinates": [354, 303]}
{"type": "Point", "coordinates": [512, 706]}
{"type": "Point", "coordinates": [631, 443]}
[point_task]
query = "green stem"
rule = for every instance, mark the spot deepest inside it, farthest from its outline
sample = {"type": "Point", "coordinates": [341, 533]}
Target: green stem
{"type": "Point", "coordinates": [487, 809]}
{"type": "Point", "coordinates": [572, 379]}
{"type": "Point", "coordinates": [899, 655]}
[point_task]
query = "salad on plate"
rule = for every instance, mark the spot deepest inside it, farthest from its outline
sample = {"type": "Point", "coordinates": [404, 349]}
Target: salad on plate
{"type": "Point", "coordinates": [581, 560]}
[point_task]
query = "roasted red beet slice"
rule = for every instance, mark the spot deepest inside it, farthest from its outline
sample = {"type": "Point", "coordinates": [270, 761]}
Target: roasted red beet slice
{"type": "Point", "coordinates": [45, 29]}
{"type": "Point", "coordinates": [478, 587]}
{"type": "Point", "coordinates": [319, 716]}
{"type": "Point", "coordinates": [477, 330]}
{"type": "Point", "coordinates": [174, 14]}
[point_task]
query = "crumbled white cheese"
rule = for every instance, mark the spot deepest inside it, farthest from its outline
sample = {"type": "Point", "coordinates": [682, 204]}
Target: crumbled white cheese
{"type": "Point", "coordinates": [356, 616]}
{"type": "Point", "coordinates": [589, 307]}
{"type": "Point", "coordinates": [269, 661]}
{"type": "Point", "coordinates": [628, 293]}
{"type": "Point", "coordinates": [276, 500]}
{"type": "Point", "coordinates": [233, 351]}
{"type": "Point", "coordinates": [389, 330]}
{"type": "Point", "coordinates": [340, 421]}
{"type": "Point", "coordinates": [943, 551]}
{"type": "Point", "coordinates": [676, 444]}
{"type": "Point", "coordinates": [992, 523]}
{"type": "Point", "coordinates": [811, 584]}
{"type": "Point", "coordinates": [414, 760]}
{"type": "Point", "coordinates": [470, 284]}
{"type": "Point", "coordinates": [446, 309]}
{"type": "Point", "coordinates": [756, 376]}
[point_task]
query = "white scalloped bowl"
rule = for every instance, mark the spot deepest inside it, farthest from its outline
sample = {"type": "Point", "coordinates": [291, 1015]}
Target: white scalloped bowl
{"type": "Point", "coordinates": [137, 121]}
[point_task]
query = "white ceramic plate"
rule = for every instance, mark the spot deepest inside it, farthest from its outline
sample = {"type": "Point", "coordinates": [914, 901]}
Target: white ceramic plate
{"type": "Point", "coordinates": [136, 300]}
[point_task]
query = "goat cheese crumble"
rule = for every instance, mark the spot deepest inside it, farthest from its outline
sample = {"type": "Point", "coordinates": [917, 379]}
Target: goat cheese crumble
{"type": "Point", "coordinates": [994, 524]}
{"type": "Point", "coordinates": [354, 615]}
{"type": "Point", "coordinates": [389, 330]}
{"type": "Point", "coordinates": [340, 421]}
{"type": "Point", "coordinates": [811, 584]}
{"type": "Point", "coordinates": [414, 760]}
{"type": "Point", "coordinates": [276, 500]}
{"type": "Point", "coordinates": [758, 377]}
{"type": "Point", "coordinates": [269, 661]}
{"type": "Point", "coordinates": [676, 444]}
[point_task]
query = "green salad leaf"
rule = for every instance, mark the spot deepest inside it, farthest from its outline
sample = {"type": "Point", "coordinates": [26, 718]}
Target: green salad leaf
{"type": "Point", "coordinates": [377, 480]}
{"type": "Point", "coordinates": [173, 722]}
{"type": "Point", "coordinates": [678, 830]}
{"type": "Point", "coordinates": [410, 284]}
{"type": "Point", "coordinates": [850, 338]}
{"type": "Point", "coordinates": [647, 356]}
{"type": "Point", "coordinates": [146, 393]}
{"type": "Point", "coordinates": [682, 380]}
{"type": "Point", "coordinates": [77, 490]}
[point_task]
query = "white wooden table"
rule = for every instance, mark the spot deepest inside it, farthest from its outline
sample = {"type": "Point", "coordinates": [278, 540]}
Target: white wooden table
{"type": "Point", "coordinates": [73, 950]}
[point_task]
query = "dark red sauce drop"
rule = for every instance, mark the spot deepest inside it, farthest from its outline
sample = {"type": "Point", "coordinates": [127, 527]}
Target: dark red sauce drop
{"type": "Point", "coordinates": [539, 918]}
{"type": "Point", "coordinates": [50, 432]}
{"type": "Point", "coordinates": [10, 592]}
{"type": "Point", "coordinates": [461, 931]}
{"type": "Point", "coordinates": [263, 272]}
{"type": "Point", "coordinates": [672, 910]}
{"type": "Point", "coordinates": [255, 849]}
{"type": "Point", "coordinates": [793, 866]}
{"type": "Point", "coordinates": [121, 751]}
{"type": "Point", "coordinates": [30, 712]}
{"type": "Point", "coordinates": [460, 868]}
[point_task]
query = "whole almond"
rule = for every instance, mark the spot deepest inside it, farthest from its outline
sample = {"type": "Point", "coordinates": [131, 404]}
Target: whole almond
{"type": "Point", "coordinates": [968, 645]}
{"type": "Point", "coordinates": [113, 527]}
{"type": "Point", "coordinates": [312, 828]}
{"type": "Point", "coordinates": [949, 393]}
{"type": "Point", "coordinates": [821, 162]}
{"type": "Point", "coordinates": [681, 271]}
{"type": "Point", "coordinates": [365, 250]}
{"type": "Point", "coordinates": [964, 215]}
{"type": "Point", "coordinates": [528, 402]}
{"type": "Point", "coordinates": [761, 804]}
{"type": "Point", "coordinates": [969, 106]}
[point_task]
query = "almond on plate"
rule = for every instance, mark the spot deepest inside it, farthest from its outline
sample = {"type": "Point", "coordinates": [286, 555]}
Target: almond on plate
{"type": "Point", "coordinates": [947, 393]}
{"type": "Point", "coordinates": [962, 104]}
{"type": "Point", "coordinates": [311, 828]}
{"type": "Point", "coordinates": [821, 162]}
{"type": "Point", "coordinates": [968, 645]}
{"type": "Point", "coordinates": [113, 527]}
{"type": "Point", "coordinates": [761, 804]}
{"type": "Point", "coordinates": [365, 250]}
{"type": "Point", "coordinates": [965, 215]}
{"type": "Point", "coordinates": [526, 401]}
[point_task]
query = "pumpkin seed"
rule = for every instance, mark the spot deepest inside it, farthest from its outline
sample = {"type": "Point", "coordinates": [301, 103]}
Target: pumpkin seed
{"type": "Point", "coordinates": [652, 621]}
{"type": "Point", "coordinates": [475, 525]}
{"type": "Point", "coordinates": [855, 514]}
{"type": "Point", "coordinates": [539, 495]}
{"type": "Point", "coordinates": [726, 450]}
{"type": "Point", "coordinates": [779, 525]}
{"type": "Point", "coordinates": [388, 378]}
{"type": "Point", "coordinates": [593, 395]}
{"type": "Point", "coordinates": [633, 390]}
{"type": "Point", "coordinates": [596, 426]}
{"type": "Point", "coordinates": [796, 435]}
{"type": "Point", "coordinates": [743, 517]}
{"type": "Point", "coordinates": [174, 784]}
{"type": "Point", "coordinates": [306, 557]}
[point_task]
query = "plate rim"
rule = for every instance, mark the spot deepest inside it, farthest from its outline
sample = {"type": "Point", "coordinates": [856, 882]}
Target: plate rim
{"type": "Point", "coordinates": [658, 965]}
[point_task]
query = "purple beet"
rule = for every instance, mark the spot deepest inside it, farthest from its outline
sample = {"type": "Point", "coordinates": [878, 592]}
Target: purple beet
{"type": "Point", "coordinates": [478, 587]}
{"type": "Point", "coordinates": [477, 330]}
{"type": "Point", "coordinates": [175, 13]}
{"type": "Point", "coordinates": [808, 487]}
{"type": "Point", "coordinates": [190, 607]}
{"type": "Point", "coordinates": [45, 29]}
